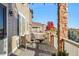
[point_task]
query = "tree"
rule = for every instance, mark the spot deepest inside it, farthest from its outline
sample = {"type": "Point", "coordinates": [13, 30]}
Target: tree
{"type": "Point", "coordinates": [50, 25]}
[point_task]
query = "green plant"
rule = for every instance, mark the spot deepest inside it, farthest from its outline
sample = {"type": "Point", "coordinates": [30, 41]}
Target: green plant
{"type": "Point", "coordinates": [53, 54]}
{"type": "Point", "coordinates": [60, 53]}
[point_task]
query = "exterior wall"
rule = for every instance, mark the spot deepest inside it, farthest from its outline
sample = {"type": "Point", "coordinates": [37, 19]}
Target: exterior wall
{"type": "Point", "coordinates": [15, 43]}
{"type": "Point", "coordinates": [71, 47]}
{"type": "Point", "coordinates": [12, 26]}
{"type": "Point", "coordinates": [25, 11]}
{"type": "Point", "coordinates": [3, 43]}
{"type": "Point", "coordinates": [39, 27]}
{"type": "Point", "coordinates": [12, 23]}
{"type": "Point", "coordinates": [30, 21]}
{"type": "Point", "coordinates": [25, 22]}
{"type": "Point", "coordinates": [62, 25]}
{"type": "Point", "coordinates": [44, 28]}
{"type": "Point", "coordinates": [55, 42]}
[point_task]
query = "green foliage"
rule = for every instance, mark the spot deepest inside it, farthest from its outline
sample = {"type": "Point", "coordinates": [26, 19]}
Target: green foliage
{"type": "Point", "coordinates": [73, 35]}
{"type": "Point", "coordinates": [59, 53]}
{"type": "Point", "coordinates": [53, 54]}
{"type": "Point", "coordinates": [62, 53]}
{"type": "Point", "coordinates": [1, 38]}
{"type": "Point", "coordinates": [35, 27]}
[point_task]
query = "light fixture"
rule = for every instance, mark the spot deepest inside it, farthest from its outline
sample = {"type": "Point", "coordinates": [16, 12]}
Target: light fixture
{"type": "Point", "coordinates": [11, 12]}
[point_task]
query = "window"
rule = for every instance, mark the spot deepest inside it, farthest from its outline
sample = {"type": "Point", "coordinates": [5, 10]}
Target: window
{"type": "Point", "coordinates": [18, 24]}
{"type": "Point", "coordinates": [2, 21]}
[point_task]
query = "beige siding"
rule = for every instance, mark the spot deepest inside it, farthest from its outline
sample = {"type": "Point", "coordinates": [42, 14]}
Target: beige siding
{"type": "Point", "coordinates": [23, 8]}
{"type": "Point", "coordinates": [15, 43]}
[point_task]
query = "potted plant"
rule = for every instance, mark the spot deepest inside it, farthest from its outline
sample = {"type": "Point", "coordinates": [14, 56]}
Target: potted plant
{"type": "Point", "coordinates": [60, 53]}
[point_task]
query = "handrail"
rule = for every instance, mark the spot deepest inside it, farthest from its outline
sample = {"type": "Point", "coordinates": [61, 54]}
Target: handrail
{"type": "Point", "coordinates": [72, 42]}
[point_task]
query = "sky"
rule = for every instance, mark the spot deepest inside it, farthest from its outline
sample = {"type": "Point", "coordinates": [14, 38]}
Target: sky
{"type": "Point", "coordinates": [73, 15]}
{"type": "Point", "coordinates": [44, 13]}
{"type": "Point", "coordinates": [48, 12]}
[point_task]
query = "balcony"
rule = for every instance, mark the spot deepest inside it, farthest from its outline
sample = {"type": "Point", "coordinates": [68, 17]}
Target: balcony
{"type": "Point", "coordinates": [35, 47]}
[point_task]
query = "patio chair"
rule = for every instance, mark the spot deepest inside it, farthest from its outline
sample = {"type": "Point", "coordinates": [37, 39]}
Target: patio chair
{"type": "Point", "coordinates": [32, 37]}
{"type": "Point", "coordinates": [22, 41]}
{"type": "Point", "coordinates": [29, 41]}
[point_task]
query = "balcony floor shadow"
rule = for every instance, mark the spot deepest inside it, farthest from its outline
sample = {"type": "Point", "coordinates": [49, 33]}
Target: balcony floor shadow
{"type": "Point", "coordinates": [40, 49]}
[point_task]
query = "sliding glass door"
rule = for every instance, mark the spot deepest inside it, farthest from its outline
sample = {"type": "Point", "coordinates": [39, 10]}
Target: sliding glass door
{"type": "Point", "coordinates": [2, 22]}
{"type": "Point", "coordinates": [2, 28]}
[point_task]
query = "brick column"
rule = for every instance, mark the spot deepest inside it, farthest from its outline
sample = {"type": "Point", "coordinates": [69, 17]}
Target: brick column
{"type": "Point", "coordinates": [62, 25]}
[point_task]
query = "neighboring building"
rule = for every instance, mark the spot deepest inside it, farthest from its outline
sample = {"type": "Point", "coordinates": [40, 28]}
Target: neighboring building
{"type": "Point", "coordinates": [38, 27]}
